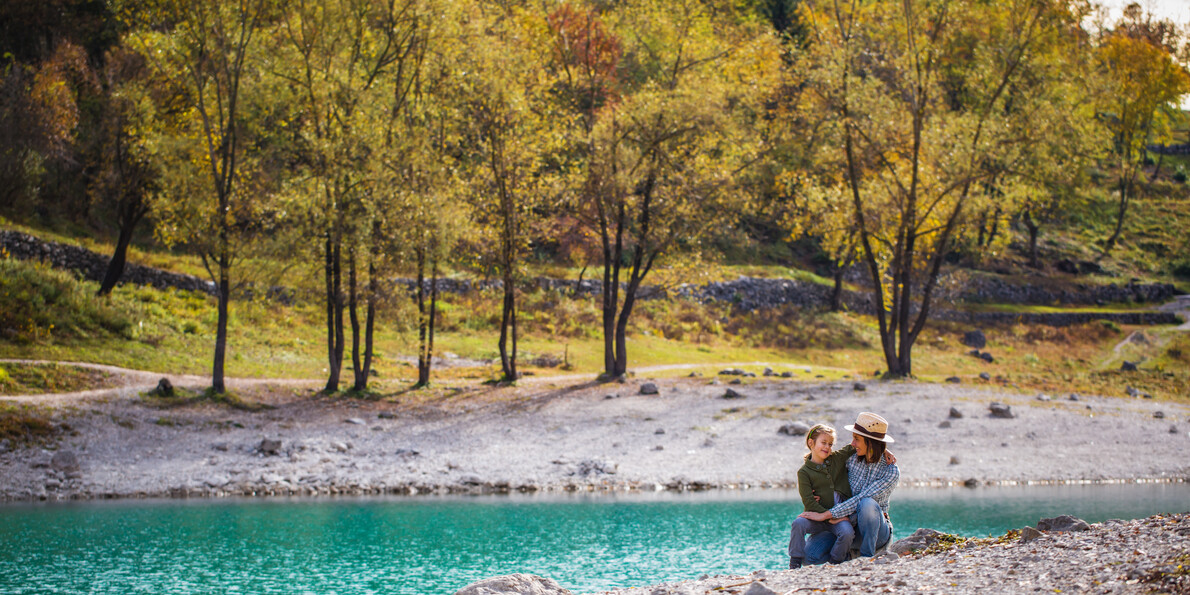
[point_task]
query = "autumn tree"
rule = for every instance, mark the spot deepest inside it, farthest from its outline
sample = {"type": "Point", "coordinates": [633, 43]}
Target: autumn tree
{"type": "Point", "coordinates": [202, 54]}
{"type": "Point", "coordinates": [125, 169]}
{"type": "Point", "coordinates": [512, 133]}
{"type": "Point", "coordinates": [341, 60]}
{"type": "Point", "coordinates": [1144, 83]}
{"type": "Point", "coordinates": [663, 95]}
{"type": "Point", "coordinates": [927, 103]}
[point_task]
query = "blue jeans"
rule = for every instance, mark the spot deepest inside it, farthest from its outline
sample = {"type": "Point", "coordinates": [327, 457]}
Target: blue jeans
{"type": "Point", "coordinates": [874, 532]}
{"type": "Point", "coordinates": [841, 534]}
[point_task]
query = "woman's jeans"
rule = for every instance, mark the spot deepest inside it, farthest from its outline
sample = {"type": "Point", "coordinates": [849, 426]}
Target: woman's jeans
{"type": "Point", "coordinates": [874, 532]}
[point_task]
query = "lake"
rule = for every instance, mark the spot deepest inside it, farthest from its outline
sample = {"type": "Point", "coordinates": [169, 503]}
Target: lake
{"type": "Point", "coordinates": [586, 542]}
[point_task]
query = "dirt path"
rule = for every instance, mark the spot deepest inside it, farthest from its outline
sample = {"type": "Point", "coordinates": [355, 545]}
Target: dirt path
{"type": "Point", "coordinates": [130, 382]}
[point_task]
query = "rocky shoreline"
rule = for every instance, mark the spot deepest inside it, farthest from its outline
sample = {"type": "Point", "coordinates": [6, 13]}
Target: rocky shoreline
{"type": "Point", "coordinates": [1062, 555]}
{"type": "Point", "coordinates": [692, 435]}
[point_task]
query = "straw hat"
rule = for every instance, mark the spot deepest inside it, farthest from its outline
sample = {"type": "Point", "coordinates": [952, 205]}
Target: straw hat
{"type": "Point", "coordinates": [871, 425]}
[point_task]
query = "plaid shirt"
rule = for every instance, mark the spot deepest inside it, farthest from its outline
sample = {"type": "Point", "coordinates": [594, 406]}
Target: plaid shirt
{"type": "Point", "coordinates": [868, 480]}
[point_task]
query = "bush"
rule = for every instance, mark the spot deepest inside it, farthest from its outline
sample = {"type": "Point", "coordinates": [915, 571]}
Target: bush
{"type": "Point", "coordinates": [1179, 176]}
{"type": "Point", "coordinates": [37, 304]}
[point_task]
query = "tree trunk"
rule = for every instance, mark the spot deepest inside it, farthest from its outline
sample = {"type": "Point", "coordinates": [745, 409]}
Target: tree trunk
{"type": "Point", "coordinates": [1157, 169]}
{"type": "Point", "coordinates": [115, 267]}
{"type": "Point", "coordinates": [353, 314]}
{"type": "Point", "coordinates": [837, 292]}
{"type": "Point", "coordinates": [579, 284]}
{"type": "Point", "coordinates": [1033, 228]}
{"type": "Point", "coordinates": [332, 309]}
{"type": "Point", "coordinates": [217, 384]}
{"type": "Point", "coordinates": [423, 376]}
{"type": "Point", "coordinates": [427, 361]}
{"type": "Point", "coordinates": [361, 380]}
{"type": "Point", "coordinates": [1123, 208]}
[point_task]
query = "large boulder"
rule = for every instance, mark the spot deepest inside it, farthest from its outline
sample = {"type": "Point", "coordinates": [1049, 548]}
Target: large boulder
{"type": "Point", "coordinates": [1001, 410]}
{"type": "Point", "coordinates": [797, 428]}
{"type": "Point", "coordinates": [1063, 523]}
{"type": "Point", "coordinates": [920, 540]}
{"type": "Point", "coordinates": [975, 339]}
{"type": "Point", "coordinates": [65, 460]}
{"type": "Point", "coordinates": [514, 584]}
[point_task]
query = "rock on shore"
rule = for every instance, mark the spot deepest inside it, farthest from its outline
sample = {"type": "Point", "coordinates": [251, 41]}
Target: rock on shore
{"type": "Point", "coordinates": [1140, 556]}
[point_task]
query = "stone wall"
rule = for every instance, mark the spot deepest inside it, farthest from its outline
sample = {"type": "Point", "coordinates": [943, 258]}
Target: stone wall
{"type": "Point", "coordinates": [746, 294]}
{"type": "Point", "coordinates": [92, 266]}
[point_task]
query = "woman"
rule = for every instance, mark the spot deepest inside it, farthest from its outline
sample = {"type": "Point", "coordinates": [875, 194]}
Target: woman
{"type": "Point", "coordinates": [872, 482]}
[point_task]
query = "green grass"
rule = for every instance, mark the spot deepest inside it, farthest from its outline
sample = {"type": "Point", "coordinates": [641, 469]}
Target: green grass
{"type": "Point", "coordinates": [173, 332]}
{"type": "Point", "coordinates": [29, 379]}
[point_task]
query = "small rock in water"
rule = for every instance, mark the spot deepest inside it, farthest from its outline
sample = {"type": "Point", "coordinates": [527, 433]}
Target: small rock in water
{"type": "Point", "coordinates": [649, 388]}
{"type": "Point", "coordinates": [787, 374]}
{"type": "Point", "coordinates": [954, 380]}
{"type": "Point", "coordinates": [695, 374]}
{"type": "Point", "coordinates": [658, 447]}
{"type": "Point", "coordinates": [659, 431]}
{"type": "Point", "coordinates": [1159, 414]}
{"type": "Point", "coordinates": [340, 446]}
{"type": "Point", "coordinates": [768, 371]}
{"type": "Point", "coordinates": [859, 386]}
{"type": "Point", "coordinates": [715, 381]}
{"type": "Point", "coordinates": [1001, 410]}
{"type": "Point", "coordinates": [354, 421]}
{"type": "Point", "coordinates": [736, 381]}
{"type": "Point", "coordinates": [955, 413]}
{"type": "Point", "coordinates": [954, 460]}
{"type": "Point", "coordinates": [1173, 429]}
{"type": "Point", "coordinates": [797, 428]}
{"type": "Point", "coordinates": [610, 396]}
{"type": "Point", "coordinates": [971, 483]}
{"type": "Point", "coordinates": [385, 415]}
{"type": "Point", "coordinates": [1132, 392]}
{"type": "Point", "coordinates": [1043, 397]}
{"type": "Point", "coordinates": [945, 424]}
{"type": "Point", "coordinates": [733, 394]}
{"type": "Point", "coordinates": [1074, 396]}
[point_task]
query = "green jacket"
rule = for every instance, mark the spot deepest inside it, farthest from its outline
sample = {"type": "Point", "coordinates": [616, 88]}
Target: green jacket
{"type": "Point", "coordinates": [824, 480]}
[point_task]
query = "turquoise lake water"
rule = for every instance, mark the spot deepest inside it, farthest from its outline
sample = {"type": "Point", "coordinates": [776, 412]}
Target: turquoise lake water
{"type": "Point", "coordinates": [437, 545]}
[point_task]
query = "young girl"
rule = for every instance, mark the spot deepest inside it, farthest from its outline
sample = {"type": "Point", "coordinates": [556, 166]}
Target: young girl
{"type": "Point", "coordinates": [822, 482]}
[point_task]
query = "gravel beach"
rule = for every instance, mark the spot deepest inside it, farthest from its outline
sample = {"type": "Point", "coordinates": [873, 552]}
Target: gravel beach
{"type": "Point", "coordinates": [692, 434]}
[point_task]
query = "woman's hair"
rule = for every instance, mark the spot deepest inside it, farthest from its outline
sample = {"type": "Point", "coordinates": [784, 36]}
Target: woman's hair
{"type": "Point", "coordinates": [817, 431]}
{"type": "Point", "coordinates": [875, 449]}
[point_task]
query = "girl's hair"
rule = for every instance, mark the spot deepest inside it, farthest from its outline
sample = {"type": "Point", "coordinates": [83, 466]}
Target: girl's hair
{"type": "Point", "coordinates": [817, 431]}
{"type": "Point", "coordinates": [875, 449]}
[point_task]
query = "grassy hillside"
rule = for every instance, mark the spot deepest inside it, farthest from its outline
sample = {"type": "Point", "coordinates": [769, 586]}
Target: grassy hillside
{"type": "Point", "coordinates": [50, 315]}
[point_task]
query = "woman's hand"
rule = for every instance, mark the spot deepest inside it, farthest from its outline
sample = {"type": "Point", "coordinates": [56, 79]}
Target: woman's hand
{"type": "Point", "coordinates": [889, 458]}
{"type": "Point", "coordinates": [816, 516]}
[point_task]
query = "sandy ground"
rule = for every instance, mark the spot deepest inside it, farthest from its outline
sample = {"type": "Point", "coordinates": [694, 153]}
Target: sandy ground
{"type": "Point", "coordinates": [559, 434]}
